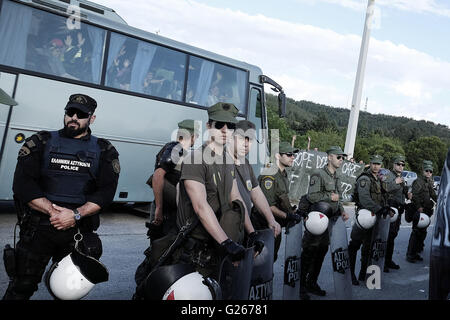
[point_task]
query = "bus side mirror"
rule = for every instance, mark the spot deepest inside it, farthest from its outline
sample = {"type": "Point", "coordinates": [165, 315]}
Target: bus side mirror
{"type": "Point", "coordinates": [282, 104]}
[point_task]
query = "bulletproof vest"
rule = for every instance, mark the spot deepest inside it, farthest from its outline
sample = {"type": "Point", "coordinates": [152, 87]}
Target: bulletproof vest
{"type": "Point", "coordinates": [69, 168]}
{"type": "Point", "coordinates": [376, 190]}
{"type": "Point", "coordinates": [397, 197]}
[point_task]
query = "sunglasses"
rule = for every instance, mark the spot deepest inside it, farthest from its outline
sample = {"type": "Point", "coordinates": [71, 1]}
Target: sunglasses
{"type": "Point", "coordinates": [219, 125]}
{"type": "Point", "coordinates": [80, 114]}
{"type": "Point", "coordinates": [429, 171]}
{"type": "Point", "coordinates": [289, 154]}
{"type": "Point", "coordinates": [400, 164]}
{"type": "Point", "coordinates": [340, 157]}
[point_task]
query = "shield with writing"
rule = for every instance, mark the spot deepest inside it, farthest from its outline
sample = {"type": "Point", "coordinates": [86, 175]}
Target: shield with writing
{"type": "Point", "coordinates": [340, 258]}
{"type": "Point", "coordinates": [293, 251]}
{"type": "Point", "coordinates": [261, 286]}
{"type": "Point", "coordinates": [235, 277]}
{"type": "Point", "coordinates": [379, 241]}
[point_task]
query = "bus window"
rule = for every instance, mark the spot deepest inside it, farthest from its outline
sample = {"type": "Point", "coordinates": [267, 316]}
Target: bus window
{"type": "Point", "coordinates": [256, 108]}
{"type": "Point", "coordinates": [143, 67]}
{"type": "Point", "coordinates": [209, 83]}
{"type": "Point", "coordinates": [41, 41]}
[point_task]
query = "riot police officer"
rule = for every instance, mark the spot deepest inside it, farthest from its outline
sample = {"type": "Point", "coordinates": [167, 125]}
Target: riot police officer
{"type": "Point", "coordinates": [247, 183]}
{"type": "Point", "coordinates": [323, 188]}
{"type": "Point", "coordinates": [166, 177]}
{"type": "Point", "coordinates": [422, 194]}
{"type": "Point", "coordinates": [397, 192]}
{"type": "Point", "coordinates": [370, 195]}
{"type": "Point", "coordinates": [61, 182]}
{"type": "Point", "coordinates": [209, 199]}
{"type": "Point", "coordinates": [275, 187]}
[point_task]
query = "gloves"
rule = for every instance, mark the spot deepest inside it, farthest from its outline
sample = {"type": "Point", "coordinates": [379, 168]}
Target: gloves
{"type": "Point", "coordinates": [233, 249]}
{"type": "Point", "coordinates": [253, 241]}
{"type": "Point", "coordinates": [293, 217]}
{"type": "Point", "coordinates": [301, 213]}
{"type": "Point", "coordinates": [154, 231]}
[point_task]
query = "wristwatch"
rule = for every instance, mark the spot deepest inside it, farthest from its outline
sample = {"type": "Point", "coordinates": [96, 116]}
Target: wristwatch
{"type": "Point", "coordinates": [77, 215]}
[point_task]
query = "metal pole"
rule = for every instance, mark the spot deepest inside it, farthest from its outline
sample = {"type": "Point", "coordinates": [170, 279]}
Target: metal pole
{"type": "Point", "coordinates": [356, 101]}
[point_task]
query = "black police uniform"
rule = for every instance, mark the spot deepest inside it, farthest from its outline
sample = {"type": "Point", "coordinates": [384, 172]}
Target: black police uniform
{"type": "Point", "coordinates": [69, 172]}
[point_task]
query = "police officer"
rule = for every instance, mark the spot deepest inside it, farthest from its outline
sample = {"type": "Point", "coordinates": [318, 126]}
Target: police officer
{"type": "Point", "coordinates": [61, 182]}
{"type": "Point", "coordinates": [165, 179]}
{"type": "Point", "coordinates": [248, 185]}
{"type": "Point", "coordinates": [370, 195]}
{"type": "Point", "coordinates": [323, 188]}
{"type": "Point", "coordinates": [276, 189]}
{"type": "Point", "coordinates": [209, 199]}
{"type": "Point", "coordinates": [422, 194]}
{"type": "Point", "coordinates": [397, 193]}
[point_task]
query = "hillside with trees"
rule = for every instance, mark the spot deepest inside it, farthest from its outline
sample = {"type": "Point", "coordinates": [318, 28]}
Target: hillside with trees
{"type": "Point", "coordinates": [377, 133]}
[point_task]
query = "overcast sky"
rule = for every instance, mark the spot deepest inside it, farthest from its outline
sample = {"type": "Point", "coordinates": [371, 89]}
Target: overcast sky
{"type": "Point", "coordinates": [311, 47]}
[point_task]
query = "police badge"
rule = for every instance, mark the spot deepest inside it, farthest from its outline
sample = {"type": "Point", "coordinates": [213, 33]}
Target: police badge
{"type": "Point", "coordinates": [249, 185]}
{"type": "Point", "coordinates": [268, 184]}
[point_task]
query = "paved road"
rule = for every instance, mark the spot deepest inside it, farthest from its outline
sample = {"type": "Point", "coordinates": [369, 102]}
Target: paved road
{"type": "Point", "coordinates": [124, 240]}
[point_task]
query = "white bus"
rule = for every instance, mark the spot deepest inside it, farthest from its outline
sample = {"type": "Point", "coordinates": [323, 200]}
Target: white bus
{"type": "Point", "coordinates": [144, 84]}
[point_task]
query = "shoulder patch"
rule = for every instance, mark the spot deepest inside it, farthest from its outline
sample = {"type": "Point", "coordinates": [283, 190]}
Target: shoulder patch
{"type": "Point", "coordinates": [116, 165]}
{"type": "Point", "coordinates": [24, 151]}
{"type": "Point", "coordinates": [362, 183]}
{"type": "Point", "coordinates": [249, 185]}
{"type": "Point", "coordinates": [268, 184]}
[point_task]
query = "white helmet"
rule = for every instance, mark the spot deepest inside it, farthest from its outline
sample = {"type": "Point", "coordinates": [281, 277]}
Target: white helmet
{"type": "Point", "coordinates": [424, 221]}
{"type": "Point", "coordinates": [365, 219]}
{"type": "Point", "coordinates": [189, 287]}
{"type": "Point", "coordinates": [394, 218]}
{"type": "Point", "coordinates": [317, 223]}
{"type": "Point", "coordinates": [74, 276]}
{"type": "Point", "coordinates": [180, 282]}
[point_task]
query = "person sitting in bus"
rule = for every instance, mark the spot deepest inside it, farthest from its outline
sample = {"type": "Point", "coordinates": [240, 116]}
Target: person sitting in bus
{"type": "Point", "coordinates": [53, 53]}
{"type": "Point", "coordinates": [121, 75]}
{"type": "Point", "coordinates": [151, 85]}
{"type": "Point", "coordinates": [213, 96]}
{"type": "Point", "coordinates": [76, 56]}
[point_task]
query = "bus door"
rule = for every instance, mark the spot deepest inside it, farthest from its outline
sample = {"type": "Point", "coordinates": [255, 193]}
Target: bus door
{"type": "Point", "coordinates": [258, 154]}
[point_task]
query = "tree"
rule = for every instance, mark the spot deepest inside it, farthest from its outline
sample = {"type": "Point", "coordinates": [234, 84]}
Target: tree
{"type": "Point", "coordinates": [426, 148]}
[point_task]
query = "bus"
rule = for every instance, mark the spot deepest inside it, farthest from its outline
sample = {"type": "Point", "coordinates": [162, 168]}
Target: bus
{"type": "Point", "coordinates": [144, 84]}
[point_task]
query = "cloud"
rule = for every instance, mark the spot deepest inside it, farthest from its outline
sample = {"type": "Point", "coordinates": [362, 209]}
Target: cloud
{"type": "Point", "coordinates": [309, 62]}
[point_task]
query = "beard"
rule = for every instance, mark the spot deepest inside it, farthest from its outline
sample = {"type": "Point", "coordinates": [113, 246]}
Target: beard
{"type": "Point", "coordinates": [72, 132]}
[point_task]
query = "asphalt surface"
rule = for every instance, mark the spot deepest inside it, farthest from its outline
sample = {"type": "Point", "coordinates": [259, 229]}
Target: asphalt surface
{"type": "Point", "coordinates": [123, 234]}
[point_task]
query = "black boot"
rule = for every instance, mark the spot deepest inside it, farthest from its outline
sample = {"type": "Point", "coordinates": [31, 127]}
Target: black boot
{"type": "Point", "coordinates": [412, 245]}
{"type": "Point", "coordinates": [352, 258]}
{"type": "Point", "coordinates": [314, 288]}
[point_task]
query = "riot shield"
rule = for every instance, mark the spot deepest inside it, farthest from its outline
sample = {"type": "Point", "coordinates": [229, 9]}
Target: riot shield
{"type": "Point", "coordinates": [439, 284]}
{"type": "Point", "coordinates": [340, 258]}
{"type": "Point", "coordinates": [234, 278]}
{"type": "Point", "coordinates": [293, 250]}
{"type": "Point", "coordinates": [261, 286]}
{"type": "Point", "coordinates": [378, 244]}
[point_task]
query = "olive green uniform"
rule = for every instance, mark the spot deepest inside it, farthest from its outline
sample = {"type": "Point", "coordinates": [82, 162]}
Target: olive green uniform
{"type": "Point", "coordinates": [396, 193]}
{"type": "Point", "coordinates": [422, 193]}
{"type": "Point", "coordinates": [322, 184]}
{"type": "Point", "coordinates": [246, 182]}
{"type": "Point", "coordinates": [371, 196]}
{"type": "Point", "coordinates": [276, 190]}
{"type": "Point", "coordinates": [199, 247]}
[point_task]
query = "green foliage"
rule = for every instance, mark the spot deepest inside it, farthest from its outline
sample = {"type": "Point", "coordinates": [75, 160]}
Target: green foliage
{"type": "Point", "coordinates": [426, 148]}
{"type": "Point", "coordinates": [377, 133]}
